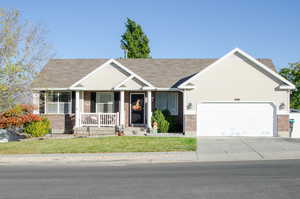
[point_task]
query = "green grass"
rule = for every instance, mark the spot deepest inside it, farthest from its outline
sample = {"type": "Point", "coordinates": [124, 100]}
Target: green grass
{"type": "Point", "coordinates": [100, 145]}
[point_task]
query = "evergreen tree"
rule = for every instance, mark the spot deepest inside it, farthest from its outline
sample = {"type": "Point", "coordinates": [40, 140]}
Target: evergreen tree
{"type": "Point", "coordinates": [134, 42]}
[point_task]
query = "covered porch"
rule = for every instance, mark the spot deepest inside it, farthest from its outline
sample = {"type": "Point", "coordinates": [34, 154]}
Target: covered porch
{"type": "Point", "coordinates": [71, 110]}
{"type": "Point", "coordinates": [113, 108]}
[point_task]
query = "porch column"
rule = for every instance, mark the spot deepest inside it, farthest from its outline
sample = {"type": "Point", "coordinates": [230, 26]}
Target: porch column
{"type": "Point", "coordinates": [122, 107]}
{"type": "Point", "coordinates": [184, 108]}
{"type": "Point", "coordinates": [36, 102]}
{"type": "Point", "coordinates": [77, 110]}
{"type": "Point", "coordinates": [149, 109]}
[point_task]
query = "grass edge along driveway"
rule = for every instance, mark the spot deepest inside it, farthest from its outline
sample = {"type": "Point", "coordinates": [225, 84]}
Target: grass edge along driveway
{"type": "Point", "coordinates": [112, 144]}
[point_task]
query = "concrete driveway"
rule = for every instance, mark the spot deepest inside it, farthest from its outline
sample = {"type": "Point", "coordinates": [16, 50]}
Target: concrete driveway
{"type": "Point", "coordinates": [247, 148]}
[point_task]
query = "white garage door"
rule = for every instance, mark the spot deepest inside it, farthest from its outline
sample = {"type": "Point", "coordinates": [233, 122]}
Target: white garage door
{"type": "Point", "coordinates": [236, 119]}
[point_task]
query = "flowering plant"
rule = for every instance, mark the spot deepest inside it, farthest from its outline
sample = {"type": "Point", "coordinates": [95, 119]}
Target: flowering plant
{"type": "Point", "coordinates": [18, 116]}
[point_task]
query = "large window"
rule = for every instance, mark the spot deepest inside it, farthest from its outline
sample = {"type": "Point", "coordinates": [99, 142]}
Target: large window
{"type": "Point", "coordinates": [104, 102]}
{"type": "Point", "coordinates": [58, 102]}
{"type": "Point", "coordinates": [167, 100]}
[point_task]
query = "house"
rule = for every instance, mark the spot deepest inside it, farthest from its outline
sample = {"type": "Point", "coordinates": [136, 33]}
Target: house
{"type": "Point", "coordinates": [233, 95]}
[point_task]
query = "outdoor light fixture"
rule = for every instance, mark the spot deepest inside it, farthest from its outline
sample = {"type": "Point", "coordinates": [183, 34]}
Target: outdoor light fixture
{"type": "Point", "coordinates": [281, 106]}
{"type": "Point", "coordinates": [189, 106]}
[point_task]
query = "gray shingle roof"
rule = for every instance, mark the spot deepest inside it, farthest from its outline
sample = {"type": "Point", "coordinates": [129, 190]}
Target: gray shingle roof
{"type": "Point", "coordinates": [162, 73]}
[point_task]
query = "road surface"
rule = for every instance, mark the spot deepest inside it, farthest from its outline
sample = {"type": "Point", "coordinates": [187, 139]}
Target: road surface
{"type": "Point", "coordinates": [255, 179]}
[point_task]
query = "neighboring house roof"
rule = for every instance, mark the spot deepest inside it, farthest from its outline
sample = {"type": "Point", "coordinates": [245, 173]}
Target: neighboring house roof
{"type": "Point", "coordinates": [162, 73]}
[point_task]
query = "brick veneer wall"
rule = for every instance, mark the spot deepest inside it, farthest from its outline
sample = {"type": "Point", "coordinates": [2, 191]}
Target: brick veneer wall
{"type": "Point", "coordinates": [190, 122]}
{"type": "Point", "coordinates": [61, 123]}
{"type": "Point", "coordinates": [127, 107]}
{"type": "Point", "coordinates": [283, 123]}
{"type": "Point", "coordinates": [87, 102]}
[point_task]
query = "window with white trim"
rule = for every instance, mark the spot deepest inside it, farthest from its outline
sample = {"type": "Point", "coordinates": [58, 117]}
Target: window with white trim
{"type": "Point", "coordinates": [104, 102]}
{"type": "Point", "coordinates": [167, 100]}
{"type": "Point", "coordinates": [58, 102]}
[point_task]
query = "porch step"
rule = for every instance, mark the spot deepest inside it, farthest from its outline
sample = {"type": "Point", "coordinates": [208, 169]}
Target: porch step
{"type": "Point", "coordinates": [135, 131]}
{"type": "Point", "coordinates": [91, 131]}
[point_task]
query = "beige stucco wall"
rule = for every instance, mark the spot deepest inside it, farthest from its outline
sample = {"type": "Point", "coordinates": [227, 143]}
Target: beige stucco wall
{"type": "Point", "coordinates": [104, 79]}
{"type": "Point", "coordinates": [236, 78]}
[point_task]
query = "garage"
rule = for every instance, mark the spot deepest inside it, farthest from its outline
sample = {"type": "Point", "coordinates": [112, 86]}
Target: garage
{"type": "Point", "coordinates": [236, 119]}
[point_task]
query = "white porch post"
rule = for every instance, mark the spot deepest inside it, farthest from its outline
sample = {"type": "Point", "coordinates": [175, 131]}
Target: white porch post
{"type": "Point", "coordinates": [184, 109]}
{"type": "Point", "coordinates": [122, 107]}
{"type": "Point", "coordinates": [149, 109]}
{"type": "Point", "coordinates": [77, 110]}
{"type": "Point", "coordinates": [36, 102]}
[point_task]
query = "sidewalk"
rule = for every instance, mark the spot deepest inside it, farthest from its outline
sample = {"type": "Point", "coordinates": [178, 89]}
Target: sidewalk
{"type": "Point", "coordinates": [210, 149]}
{"type": "Point", "coordinates": [99, 158]}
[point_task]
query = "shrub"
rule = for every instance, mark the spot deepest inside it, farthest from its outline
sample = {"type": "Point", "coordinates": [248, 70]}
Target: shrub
{"type": "Point", "coordinates": [166, 113]}
{"type": "Point", "coordinates": [164, 126]}
{"type": "Point", "coordinates": [18, 116]}
{"type": "Point", "coordinates": [37, 128]}
{"type": "Point", "coordinates": [174, 126]}
{"type": "Point", "coordinates": [159, 118]}
{"type": "Point", "coordinates": [173, 123]}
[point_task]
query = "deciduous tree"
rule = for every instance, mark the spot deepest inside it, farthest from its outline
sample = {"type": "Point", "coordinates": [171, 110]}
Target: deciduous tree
{"type": "Point", "coordinates": [292, 73]}
{"type": "Point", "coordinates": [23, 51]}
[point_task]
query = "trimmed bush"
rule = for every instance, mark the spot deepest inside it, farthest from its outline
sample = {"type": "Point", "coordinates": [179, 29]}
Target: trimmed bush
{"type": "Point", "coordinates": [159, 118]}
{"type": "Point", "coordinates": [173, 123]}
{"type": "Point", "coordinates": [37, 128]}
{"type": "Point", "coordinates": [164, 126]}
{"type": "Point", "coordinates": [174, 126]}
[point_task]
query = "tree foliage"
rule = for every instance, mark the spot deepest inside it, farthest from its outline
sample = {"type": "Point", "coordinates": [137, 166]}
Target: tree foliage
{"type": "Point", "coordinates": [159, 118]}
{"type": "Point", "coordinates": [23, 51]}
{"type": "Point", "coordinates": [134, 41]}
{"type": "Point", "coordinates": [292, 73]}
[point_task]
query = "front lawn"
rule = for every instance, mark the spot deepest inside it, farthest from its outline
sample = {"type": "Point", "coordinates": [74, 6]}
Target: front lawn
{"type": "Point", "coordinates": [100, 145]}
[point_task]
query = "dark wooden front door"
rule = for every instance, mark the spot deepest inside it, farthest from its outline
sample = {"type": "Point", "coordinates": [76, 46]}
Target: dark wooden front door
{"type": "Point", "coordinates": [137, 106]}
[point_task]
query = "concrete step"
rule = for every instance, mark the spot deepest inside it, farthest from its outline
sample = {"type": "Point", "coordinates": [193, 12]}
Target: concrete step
{"type": "Point", "coordinates": [135, 131]}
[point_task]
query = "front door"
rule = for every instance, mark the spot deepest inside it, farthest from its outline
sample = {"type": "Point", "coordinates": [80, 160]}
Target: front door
{"type": "Point", "coordinates": [137, 106]}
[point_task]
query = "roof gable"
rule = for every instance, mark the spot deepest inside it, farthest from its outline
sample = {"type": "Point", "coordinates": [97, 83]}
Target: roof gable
{"type": "Point", "coordinates": [247, 58]}
{"type": "Point", "coordinates": [111, 73]}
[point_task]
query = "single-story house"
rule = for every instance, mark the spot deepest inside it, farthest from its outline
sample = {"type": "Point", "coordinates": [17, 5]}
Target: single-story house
{"type": "Point", "coordinates": [233, 95]}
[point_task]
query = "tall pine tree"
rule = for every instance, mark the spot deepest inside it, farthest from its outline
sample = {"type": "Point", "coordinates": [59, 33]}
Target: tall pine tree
{"type": "Point", "coordinates": [134, 42]}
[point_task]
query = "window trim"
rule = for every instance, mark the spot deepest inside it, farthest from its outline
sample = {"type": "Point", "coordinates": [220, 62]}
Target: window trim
{"type": "Point", "coordinates": [176, 103]}
{"type": "Point", "coordinates": [112, 103]}
{"type": "Point", "coordinates": [57, 111]}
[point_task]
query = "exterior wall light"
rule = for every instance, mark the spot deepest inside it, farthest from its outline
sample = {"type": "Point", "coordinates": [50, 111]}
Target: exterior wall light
{"type": "Point", "coordinates": [189, 106]}
{"type": "Point", "coordinates": [282, 106]}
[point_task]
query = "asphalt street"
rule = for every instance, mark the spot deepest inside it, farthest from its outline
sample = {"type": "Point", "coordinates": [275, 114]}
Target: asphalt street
{"type": "Point", "coordinates": [248, 179]}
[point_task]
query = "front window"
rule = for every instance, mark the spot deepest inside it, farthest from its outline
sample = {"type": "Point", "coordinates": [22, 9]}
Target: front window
{"type": "Point", "coordinates": [167, 100]}
{"type": "Point", "coordinates": [58, 102]}
{"type": "Point", "coordinates": [104, 102]}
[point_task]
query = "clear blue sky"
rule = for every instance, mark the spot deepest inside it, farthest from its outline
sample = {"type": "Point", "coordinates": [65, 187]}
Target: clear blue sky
{"type": "Point", "coordinates": [176, 29]}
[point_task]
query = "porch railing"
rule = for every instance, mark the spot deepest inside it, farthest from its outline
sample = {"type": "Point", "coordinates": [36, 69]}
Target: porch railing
{"type": "Point", "coordinates": [99, 119]}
